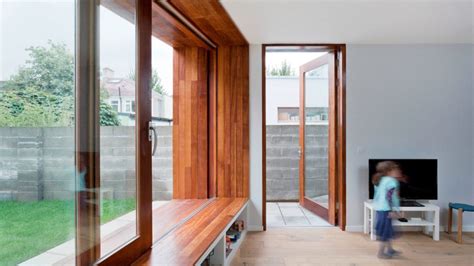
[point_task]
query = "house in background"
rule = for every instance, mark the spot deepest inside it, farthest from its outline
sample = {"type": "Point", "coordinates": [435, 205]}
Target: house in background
{"type": "Point", "coordinates": [283, 100]}
{"type": "Point", "coordinates": [121, 96]}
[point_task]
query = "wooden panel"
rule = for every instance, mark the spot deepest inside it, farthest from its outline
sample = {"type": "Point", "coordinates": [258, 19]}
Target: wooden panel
{"type": "Point", "coordinates": [168, 29]}
{"type": "Point", "coordinates": [166, 217]}
{"type": "Point", "coordinates": [212, 123]}
{"type": "Point", "coordinates": [232, 121]}
{"type": "Point", "coordinates": [186, 244]}
{"type": "Point", "coordinates": [164, 25]}
{"type": "Point", "coordinates": [190, 123]}
{"type": "Point", "coordinates": [211, 19]}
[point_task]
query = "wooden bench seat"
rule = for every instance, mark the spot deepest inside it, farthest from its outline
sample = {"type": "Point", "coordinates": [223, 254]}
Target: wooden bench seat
{"type": "Point", "coordinates": [190, 241]}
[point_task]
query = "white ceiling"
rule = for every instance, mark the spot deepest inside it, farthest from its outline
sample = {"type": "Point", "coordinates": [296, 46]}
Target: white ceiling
{"type": "Point", "coordinates": [354, 21]}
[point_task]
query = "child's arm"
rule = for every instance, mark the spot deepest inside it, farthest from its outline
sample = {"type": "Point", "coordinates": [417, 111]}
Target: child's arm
{"type": "Point", "coordinates": [396, 200]}
{"type": "Point", "coordinates": [393, 196]}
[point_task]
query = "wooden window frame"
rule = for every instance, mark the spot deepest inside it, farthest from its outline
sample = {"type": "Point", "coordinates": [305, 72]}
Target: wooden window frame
{"type": "Point", "coordinates": [340, 51]}
{"type": "Point", "coordinates": [88, 129]}
{"type": "Point", "coordinates": [88, 137]}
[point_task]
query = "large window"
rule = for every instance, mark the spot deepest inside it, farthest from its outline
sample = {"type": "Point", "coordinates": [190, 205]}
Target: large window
{"type": "Point", "coordinates": [79, 90]}
{"type": "Point", "coordinates": [37, 179]}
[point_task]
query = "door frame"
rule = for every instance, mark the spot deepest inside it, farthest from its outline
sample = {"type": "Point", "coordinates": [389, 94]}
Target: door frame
{"type": "Point", "coordinates": [340, 65]}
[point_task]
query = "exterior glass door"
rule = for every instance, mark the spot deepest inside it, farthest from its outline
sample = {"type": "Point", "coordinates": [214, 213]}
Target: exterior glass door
{"type": "Point", "coordinates": [113, 149]}
{"type": "Point", "coordinates": [317, 137]}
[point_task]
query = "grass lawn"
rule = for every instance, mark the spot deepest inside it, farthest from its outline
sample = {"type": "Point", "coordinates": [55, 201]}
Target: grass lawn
{"type": "Point", "coordinates": [30, 228]}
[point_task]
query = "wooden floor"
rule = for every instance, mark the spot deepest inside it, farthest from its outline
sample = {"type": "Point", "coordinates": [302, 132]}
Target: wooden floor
{"type": "Point", "coordinates": [330, 246]}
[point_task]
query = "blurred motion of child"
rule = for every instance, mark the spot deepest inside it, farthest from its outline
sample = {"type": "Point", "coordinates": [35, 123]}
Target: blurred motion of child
{"type": "Point", "coordinates": [386, 204]}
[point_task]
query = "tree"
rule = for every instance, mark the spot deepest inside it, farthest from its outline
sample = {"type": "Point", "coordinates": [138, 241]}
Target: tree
{"type": "Point", "coordinates": [42, 93]}
{"type": "Point", "coordinates": [50, 69]}
{"type": "Point", "coordinates": [108, 117]}
{"type": "Point", "coordinates": [32, 107]}
{"type": "Point", "coordinates": [155, 82]}
{"type": "Point", "coordinates": [284, 69]}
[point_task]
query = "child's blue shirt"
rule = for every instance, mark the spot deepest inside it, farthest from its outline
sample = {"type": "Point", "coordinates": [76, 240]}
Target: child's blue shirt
{"type": "Point", "coordinates": [386, 194]}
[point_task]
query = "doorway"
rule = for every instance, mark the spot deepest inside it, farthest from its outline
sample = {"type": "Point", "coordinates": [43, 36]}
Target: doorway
{"type": "Point", "coordinates": [303, 159]}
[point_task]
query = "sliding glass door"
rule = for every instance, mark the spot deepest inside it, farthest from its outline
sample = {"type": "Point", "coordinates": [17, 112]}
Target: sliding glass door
{"type": "Point", "coordinates": [113, 149]}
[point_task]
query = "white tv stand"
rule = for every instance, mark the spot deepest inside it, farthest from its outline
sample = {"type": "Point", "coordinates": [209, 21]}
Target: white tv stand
{"type": "Point", "coordinates": [369, 219]}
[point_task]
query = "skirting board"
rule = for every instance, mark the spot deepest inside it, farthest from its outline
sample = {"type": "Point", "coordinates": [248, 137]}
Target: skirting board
{"type": "Point", "coordinates": [360, 228]}
{"type": "Point", "coordinates": [255, 228]}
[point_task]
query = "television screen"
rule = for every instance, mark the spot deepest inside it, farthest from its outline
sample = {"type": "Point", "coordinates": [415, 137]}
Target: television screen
{"type": "Point", "coordinates": [421, 178]}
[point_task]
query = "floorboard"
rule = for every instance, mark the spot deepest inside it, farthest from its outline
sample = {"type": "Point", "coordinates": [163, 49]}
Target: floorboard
{"type": "Point", "coordinates": [331, 246]}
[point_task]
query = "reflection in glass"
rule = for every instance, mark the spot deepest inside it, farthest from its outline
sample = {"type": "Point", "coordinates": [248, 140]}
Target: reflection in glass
{"type": "Point", "coordinates": [316, 135]}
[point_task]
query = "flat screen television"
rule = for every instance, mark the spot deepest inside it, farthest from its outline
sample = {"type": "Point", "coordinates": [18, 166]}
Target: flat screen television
{"type": "Point", "coordinates": [421, 182]}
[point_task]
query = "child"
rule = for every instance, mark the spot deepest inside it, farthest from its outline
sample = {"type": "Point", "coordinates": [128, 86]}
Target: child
{"type": "Point", "coordinates": [386, 203]}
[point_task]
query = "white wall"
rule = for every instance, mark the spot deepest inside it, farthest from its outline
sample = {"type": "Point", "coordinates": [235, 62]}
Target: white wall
{"type": "Point", "coordinates": [285, 92]}
{"type": "Point", "coordinates": [255, 97]}
{"type": "Point", "coordinates": [472, 107]}
{"type": "Point", "coordinates": [403, 101]}
{"type": "Point", "coordinates": [410, 101]}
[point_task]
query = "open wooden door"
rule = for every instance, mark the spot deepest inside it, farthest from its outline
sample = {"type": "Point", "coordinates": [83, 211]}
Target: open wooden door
{"type": "Point", "coordinates": [318, 137]}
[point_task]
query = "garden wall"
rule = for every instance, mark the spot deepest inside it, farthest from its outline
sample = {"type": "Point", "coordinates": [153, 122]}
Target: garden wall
{"type": "Point", "coordinates": [283, 161]}
{"type": "Point", "coordinates": [38, 163]}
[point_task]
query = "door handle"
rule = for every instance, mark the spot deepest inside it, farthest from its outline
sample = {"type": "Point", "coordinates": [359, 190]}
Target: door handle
{"type": "Point", "coordinates": [152, 136]}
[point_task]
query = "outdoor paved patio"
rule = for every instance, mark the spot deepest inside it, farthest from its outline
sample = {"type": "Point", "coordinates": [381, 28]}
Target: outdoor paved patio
{"type": "Point", "coordinates": [281, 214]}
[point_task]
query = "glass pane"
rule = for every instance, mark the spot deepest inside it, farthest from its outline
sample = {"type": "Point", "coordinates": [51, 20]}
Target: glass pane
{"type": "Point", "coordinates": [117, 118]}
{"type": "Point", "coordinates": [316, 134]}
{"type": "Point", "coordinates": [37, 179]}
{"type": "Point", "coordinates": [162, 117]}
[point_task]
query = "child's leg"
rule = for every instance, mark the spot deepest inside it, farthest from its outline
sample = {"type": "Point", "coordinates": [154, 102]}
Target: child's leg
{"type": "Point", "coordinates": [390, 250]}
{"type": "Point", "coordinates": [381, 253]}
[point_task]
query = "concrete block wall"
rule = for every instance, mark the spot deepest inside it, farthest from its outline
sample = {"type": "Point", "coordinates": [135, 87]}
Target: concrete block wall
{"type": "Point", "coordinates": [58, 163]}
{"type": "Point", "coordinates": [283, 161]}
{"type": "Point", "coordinates": [38, 163]}
{"type": "Point", "coordinates": [20, 166]}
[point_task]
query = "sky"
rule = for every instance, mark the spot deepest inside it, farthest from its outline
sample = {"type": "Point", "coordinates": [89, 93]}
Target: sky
{"type": "Point", "coordinates": [32, 23]}
{"type": "Point", "coordinates": [295, 59]}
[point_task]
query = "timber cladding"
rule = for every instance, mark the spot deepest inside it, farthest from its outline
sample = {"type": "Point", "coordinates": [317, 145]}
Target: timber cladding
{"type": "Point", "coordinates": [233, 121]}
{"type": "Point", "coordinates": [229, 121]}
{"type": "Point", "coordinates": [211, 18]}
{"type": "Point", "coordinates": [190, 123]}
